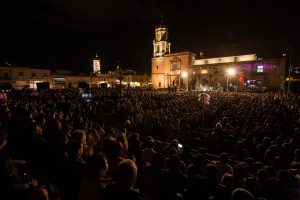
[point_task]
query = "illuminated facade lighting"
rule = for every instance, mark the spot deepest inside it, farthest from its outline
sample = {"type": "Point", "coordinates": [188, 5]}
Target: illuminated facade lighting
{"type": "Point", "coordinates": [204, 71]}
{"type": "Point", "coordinates": [231, 71]}
{"type": "Point", "coordinates": [184, 74]}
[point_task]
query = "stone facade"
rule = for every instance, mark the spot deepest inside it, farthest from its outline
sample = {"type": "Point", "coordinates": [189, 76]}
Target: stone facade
{"type": "Point", "coordinates": [21, 77]}
{"type": "Point", "coordinates": [24, 77]}
{"type": "Point", "coordinates": [184, 71]}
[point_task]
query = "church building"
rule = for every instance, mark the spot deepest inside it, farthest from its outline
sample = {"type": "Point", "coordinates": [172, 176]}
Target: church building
{"type": "Point", "coordinates": [235, 72]}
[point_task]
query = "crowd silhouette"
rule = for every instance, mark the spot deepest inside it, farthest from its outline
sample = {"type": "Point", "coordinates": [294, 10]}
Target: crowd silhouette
{"type": "Point", "coordinates": [142, 144]}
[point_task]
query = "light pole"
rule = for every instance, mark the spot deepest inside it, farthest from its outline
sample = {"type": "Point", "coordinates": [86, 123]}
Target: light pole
{"type": "Point", "coordinates": [119, 75]}
{"type": "Point", "coordinates": [227, 84]}
{"type": "Point", "coordinates": [290, 68]}
{"type": "Point", "coordinates": [288, 53]}
{"type": "Point", "coordinates": [178, 78]}
{"type": "Point", "coordinates": [179, 74]}
{"type": "Point", "coordinates": [230, 72]}
{"type": "Point", "coordinates": [186, 75]}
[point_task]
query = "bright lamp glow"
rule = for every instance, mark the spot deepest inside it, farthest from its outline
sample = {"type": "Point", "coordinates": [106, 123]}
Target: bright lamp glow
{"type": "Point", "coordinates": [204, 71]}
{"type": "Point", "coordinates": [231, 72]}
{"type": "Point", "coordinates": [184, 74]}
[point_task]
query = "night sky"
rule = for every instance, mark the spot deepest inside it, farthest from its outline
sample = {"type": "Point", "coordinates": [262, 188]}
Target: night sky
{"type": "Point", "coordinates": [66, 34]}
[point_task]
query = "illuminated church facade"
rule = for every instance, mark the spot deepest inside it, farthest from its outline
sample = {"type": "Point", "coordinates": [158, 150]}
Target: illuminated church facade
{"type": "Point", "coordinates": [183, 71]}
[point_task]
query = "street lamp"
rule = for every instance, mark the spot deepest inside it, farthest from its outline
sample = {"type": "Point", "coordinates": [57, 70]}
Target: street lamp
{"type": "Point", "coordinates": [186, 75]}
{"type": "Point", "coordinates": [289, 53]}
{"type": "Point", "coordinates": [178, 79]}
{"type": "Point", "coordinates": [290, 68]}
{"type": "Point", "coordinates": [230, 72]}
{"type": "Point", "coordinates": [119, 75]}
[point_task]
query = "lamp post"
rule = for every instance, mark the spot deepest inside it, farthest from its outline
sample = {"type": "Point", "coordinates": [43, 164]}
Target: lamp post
{"type": "Point", "coordinates": [230, 72]}
{"type": "Point", "coordinates": [290, 69]}
{"type": "Point", "coordinates": [288, 53]}
{"type": "Point", "coordinates": [179, 82]}
{"type": "Point", "coordinates": [179, 73]}
{"type": "Point", "coordinates": [119, 75]}
{"type": "Point", "coordinates": [91, 81]}
{"type": "Point", "coordinates": [186, 75]}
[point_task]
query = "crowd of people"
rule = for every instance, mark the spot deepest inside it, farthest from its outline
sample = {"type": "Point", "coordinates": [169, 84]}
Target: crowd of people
{"type": "Point", "coordinates": [138, 144]}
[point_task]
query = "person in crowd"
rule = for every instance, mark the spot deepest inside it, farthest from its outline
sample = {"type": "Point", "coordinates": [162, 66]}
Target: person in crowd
{"type": "Point", "coordinates": [241, 194]}
{"type": "Point", "coordinates": [148, 152]}
{"type": "Point", "coordinates": [223, 164]}
{"type": "Point", "coordinates": [123, 183]}
{"type": "Point", "coordinates": [72, 171]}
{"type": "Point", "coordinates": [114, 155]}
{"type": "Point", "coordinates": [92, 185]}
{"type": "Point", "coordinates": [173, 180]}
{"type": "Point", "coordinates": [152, 176]}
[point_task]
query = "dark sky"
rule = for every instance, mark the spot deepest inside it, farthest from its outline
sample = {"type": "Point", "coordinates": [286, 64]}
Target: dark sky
{"type": "Point", "coordinates": [66, 34]}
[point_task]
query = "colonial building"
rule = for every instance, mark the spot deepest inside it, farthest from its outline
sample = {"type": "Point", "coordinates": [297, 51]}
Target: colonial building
{"type": "Point", "coordinates": [184, 71]}
{"type": "Point", "coordinates": [68, 80]}
{"type": "Point", "coordinates": [130, 78]}
{"type": "Point", "coordinates": [22, 77]}
{"type": "Point", "coordinates": [136, 80]}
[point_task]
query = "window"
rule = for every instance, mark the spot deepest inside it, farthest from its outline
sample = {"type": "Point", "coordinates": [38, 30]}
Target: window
{"type": "Point", "coordinates": [156, 66]}
{"type": "Point", "coordinates": [33, 74]}
{"type": "Point", "coordinates": [260, 69]}
{"type": "Point", "coordinates": [45, 75]}
{"type": "Point", "coordinates": [163, 36]}
{"type": "Point", "coordinates": [59, 79]}
{"type": "Point", "coordinates": [174, 66]}
{"type": "Point", "coordinates": [159, 84]}
{"type": "Point", "coordinates": [21, 74]}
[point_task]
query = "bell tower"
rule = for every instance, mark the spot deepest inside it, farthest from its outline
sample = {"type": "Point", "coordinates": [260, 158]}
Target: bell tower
{"type": "Point", "coordinates": [96, 65]}
{"type": "Point", "coordinates": [161, 44]}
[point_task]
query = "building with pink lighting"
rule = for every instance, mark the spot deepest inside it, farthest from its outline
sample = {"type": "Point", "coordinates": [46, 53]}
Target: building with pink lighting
{"type": "Point", "coordinates": [236, 72]}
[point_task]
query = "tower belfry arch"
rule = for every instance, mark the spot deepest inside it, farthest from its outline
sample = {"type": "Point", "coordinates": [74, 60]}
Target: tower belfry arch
{"type": "Point", "coordinates": [96, 65]}
{"type": "Point", "coordinates": [161, 44]}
